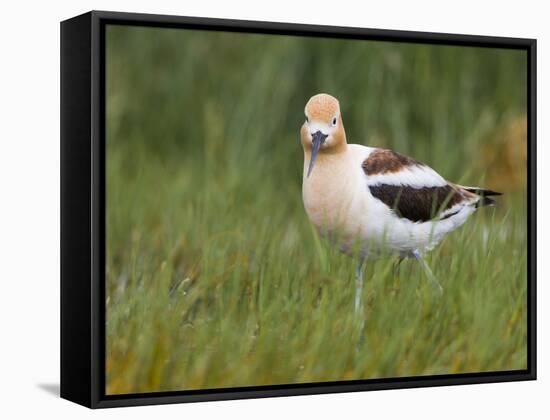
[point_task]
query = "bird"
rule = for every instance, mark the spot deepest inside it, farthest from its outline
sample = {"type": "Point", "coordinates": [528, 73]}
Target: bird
{"type": "Point", "coordinates": [370, 201]}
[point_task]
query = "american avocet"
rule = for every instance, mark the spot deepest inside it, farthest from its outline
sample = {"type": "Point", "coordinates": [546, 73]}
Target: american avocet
{"type": "Point", "coordinates": [370, 199]}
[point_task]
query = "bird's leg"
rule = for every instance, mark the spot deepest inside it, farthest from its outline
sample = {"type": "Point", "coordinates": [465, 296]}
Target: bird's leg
{"type": "Point", "coordinates": [359, 304]}
{"type": "Point", "coordinates": [396, 266]}
{"type": "Point", "coordinates": [359, 286]}
{"type": "Point", "coordinates": [429, 274]}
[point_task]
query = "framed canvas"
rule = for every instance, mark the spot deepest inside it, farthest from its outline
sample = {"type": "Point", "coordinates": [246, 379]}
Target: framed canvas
{"type": "Point", "coordinates": [254, 209]}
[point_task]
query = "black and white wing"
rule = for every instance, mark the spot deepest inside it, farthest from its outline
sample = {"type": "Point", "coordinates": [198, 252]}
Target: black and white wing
{"type": "Point", "coordinates": [415, 191]}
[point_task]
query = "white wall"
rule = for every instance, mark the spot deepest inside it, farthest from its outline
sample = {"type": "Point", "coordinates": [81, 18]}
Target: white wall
{"type": "Point", "coordinates": [29, 207]}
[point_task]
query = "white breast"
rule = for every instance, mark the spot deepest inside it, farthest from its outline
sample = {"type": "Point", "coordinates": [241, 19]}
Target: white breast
{"type": "Point", "coordinates": [334, 194]}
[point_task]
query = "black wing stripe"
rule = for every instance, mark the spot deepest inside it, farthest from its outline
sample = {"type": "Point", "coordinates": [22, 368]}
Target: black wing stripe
{"type": "Point", "coordinates": [417, 204]}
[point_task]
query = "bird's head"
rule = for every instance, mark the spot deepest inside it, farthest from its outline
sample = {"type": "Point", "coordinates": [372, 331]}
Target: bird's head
{"type": "Point", "coordinates": [322, 131]}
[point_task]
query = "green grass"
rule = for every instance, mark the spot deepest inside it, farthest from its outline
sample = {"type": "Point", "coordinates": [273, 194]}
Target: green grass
{"type": "Point", "coordinates": [215, 277]}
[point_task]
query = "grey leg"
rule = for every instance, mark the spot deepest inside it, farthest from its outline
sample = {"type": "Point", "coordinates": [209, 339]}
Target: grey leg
{"type": "Point", "coordinates": [396, 265]}
{"type": "Point", "coordinates": [431, 278]}
{"type": "Point", "coordinates": [359, 286]}
{"type": "Point", "coordinates": [359, 315]}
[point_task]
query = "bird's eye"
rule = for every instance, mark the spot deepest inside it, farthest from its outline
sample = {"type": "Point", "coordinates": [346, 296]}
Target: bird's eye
{"type": "Point", "coordinates": [334, 121]}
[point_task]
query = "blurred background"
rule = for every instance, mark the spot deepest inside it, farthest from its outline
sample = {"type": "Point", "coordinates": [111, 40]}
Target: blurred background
{"type": "Point", "coordinates": [215, 277]}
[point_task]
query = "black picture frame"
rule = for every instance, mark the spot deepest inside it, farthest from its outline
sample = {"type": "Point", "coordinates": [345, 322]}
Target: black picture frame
{"type": "Point", "coordinates": [83, 208]}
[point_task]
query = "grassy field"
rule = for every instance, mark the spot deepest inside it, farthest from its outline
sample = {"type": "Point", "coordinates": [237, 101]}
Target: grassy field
{"type": "Point", "coordinates": [215, 277]}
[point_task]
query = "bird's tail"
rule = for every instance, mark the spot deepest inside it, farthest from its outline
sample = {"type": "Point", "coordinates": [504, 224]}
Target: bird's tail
{"type": "Point", "coordinates": [485, 195]}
